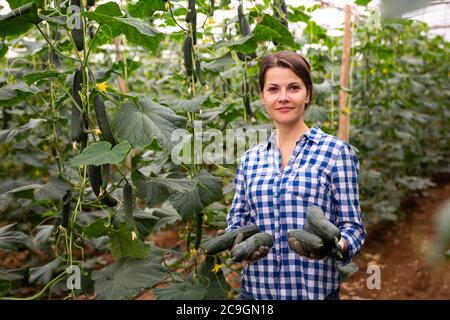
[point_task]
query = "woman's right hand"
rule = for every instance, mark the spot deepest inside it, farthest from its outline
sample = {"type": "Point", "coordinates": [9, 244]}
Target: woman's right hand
{"type": "Point", "coordinates": [255, 256]}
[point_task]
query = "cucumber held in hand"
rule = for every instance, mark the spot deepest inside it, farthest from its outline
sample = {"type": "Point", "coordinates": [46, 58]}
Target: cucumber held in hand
{"type": "Point", "coordinates": [225, 241]}
{"type": "Point", "coordinates": [318, 224]}
{"type": "Point", "coordinates": [309, 242]}
{"type": "Point", "coordinates": [246, 248]}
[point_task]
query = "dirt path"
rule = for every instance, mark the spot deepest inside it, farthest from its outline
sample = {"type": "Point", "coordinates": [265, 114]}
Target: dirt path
{"type": "Point", "coordinates": [399, 250]}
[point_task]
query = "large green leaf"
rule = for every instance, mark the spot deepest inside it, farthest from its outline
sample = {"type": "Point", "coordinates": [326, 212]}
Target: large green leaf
{"type": "Point", "coordinates": [216, 286]}
{"type": "Point", "coordinates": [282, 33]}
{"type": "Point", "coordinates": [8, 135]}
{"type": "Point", "coordinates": [43, 274]}
{"type": "Point", "coordinates": [192, 105]}
{"type": "Point", "coordinates": [164, 216]}
{"type": "Point", "coordinates": [156, 190]}
{"type": "Point", "coordinates": [21, 23]}
{"type": "Point", "coordinates": [98, 153]}
{"type": "Point", "coordinates": [32, 77]}
{"type": "Point", "coordinates": [219, 65]}
{"type": "Point", "coordinates": [13, 4]}
{"type": "Point", "coordinates": [125, 278]}
{"type": "Point", "coordinates": [269, 29]}
{"type": "Point", "coordinates": [13, 93]}
{"type": "Point", "coordinates": [54, 189]}
{"type": "Point", "coordinates": [147, 120]}
{"type": "Point", "coordinates": [43, 235]}
{"type": "Point", "coordinates": [145, 8]}
{"type": "Point", "coordinates": [97, 229]}
{"type": "Point", "coordinates": [207, 189]}
{"type": "Point", "coordinates": [123, 245]}
{"type": "Point", "coordinates": [136, 31]}
{"type": "Point", "coordinates": [181, 291]}
{"type": "Point", "coordinates": [10, 239]}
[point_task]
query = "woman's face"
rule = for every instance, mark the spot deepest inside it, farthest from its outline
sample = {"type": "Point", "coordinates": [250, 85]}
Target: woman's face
{"type": "Point", "coordinates": [284, 96]}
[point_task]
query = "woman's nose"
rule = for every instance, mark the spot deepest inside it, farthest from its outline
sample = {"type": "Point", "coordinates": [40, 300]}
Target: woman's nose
{"type": "Point", "coordinates": [283, 95]}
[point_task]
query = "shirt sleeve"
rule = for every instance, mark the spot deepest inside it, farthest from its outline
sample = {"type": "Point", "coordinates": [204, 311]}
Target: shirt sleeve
{"type": "Point", "coordinates": [239, 213]}
{"type": "Point", "coordinates": [346, 196]}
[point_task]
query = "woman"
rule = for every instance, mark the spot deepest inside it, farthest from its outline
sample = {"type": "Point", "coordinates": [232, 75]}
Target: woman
{"type": "Point", "coordinates": [276, 182]}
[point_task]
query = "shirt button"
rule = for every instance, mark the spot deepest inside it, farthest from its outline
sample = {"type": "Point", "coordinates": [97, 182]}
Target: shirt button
{"type": "Point", "coordinates": [275, 193]}
{"type": "Point", "coordinates": [278, 258]}
{"type": "Point", "coordinates": [277, 235]}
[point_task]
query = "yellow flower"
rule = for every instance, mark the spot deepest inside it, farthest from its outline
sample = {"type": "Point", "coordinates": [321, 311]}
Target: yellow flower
{"type": "Point", "coordinates": [385, 70]}
{"type": "Point", "coordinates": [217, 267]}
{"type": "Point", "coordinates": [211, 21]}
{"type": "Point", "coordinates": [101, 86]}
{"type": "Point", "coordinates": [193, 252]}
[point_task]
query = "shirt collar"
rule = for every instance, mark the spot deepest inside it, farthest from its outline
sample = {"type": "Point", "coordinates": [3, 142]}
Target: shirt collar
{"type": "Point", "coordinates": [314, 134]}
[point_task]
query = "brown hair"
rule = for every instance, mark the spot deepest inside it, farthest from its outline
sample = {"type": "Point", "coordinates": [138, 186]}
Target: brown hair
{"type": "Point", "coordinates": [287, 59]}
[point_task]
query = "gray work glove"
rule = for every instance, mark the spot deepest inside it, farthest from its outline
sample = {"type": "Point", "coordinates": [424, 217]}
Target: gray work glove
{"type": "Point", "coordinates": [258, 254]}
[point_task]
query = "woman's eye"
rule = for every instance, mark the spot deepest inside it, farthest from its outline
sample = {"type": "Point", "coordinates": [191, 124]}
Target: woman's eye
{"type": "Point", "coordinates": [273, 89]}
{"type": "Point", "coordinates": [295, 88]}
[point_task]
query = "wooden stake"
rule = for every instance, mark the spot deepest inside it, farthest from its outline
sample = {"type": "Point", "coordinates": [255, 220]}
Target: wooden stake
{"type": "Point", "coordinates": [344, 109]}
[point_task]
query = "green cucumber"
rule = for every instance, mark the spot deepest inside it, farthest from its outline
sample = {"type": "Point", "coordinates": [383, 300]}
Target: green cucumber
{"type": "Point", "coordinates": [128, 199]}
{"type": "Point", "coordinates": [102, 119]}
{"type": "Point", "coordinates": [187, 51]}
{"type": "Point", "coordinates": [198, 72]}
{"type": "Point", "coordinates": [225, 241]}
{"type": "Point", "coordinates": [77, 124]}
{"type": "Point", "coordinates": [246, 248]}
{"type": "Point", "coordinates": [322, 227]}
{"type": "Point", "coordinates": [78, 33]}
{"type": "Point", "coordinates": [95, 178]}
{"type": "Point", "coordinates": [309, 242]}
{"type": "Point", "coordinates": [198, 230]}
{"type": "Point", "coordinates": [65, 209]}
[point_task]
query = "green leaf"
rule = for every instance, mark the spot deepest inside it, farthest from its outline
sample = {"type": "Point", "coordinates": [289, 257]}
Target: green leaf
{"type": "Point", "coordinates": [145, 8]}
{"type": "Point", "coordinates": [362, 2]}
{"type": "Point", "coordinates": [192, 105]}
{"type": "Point", "coordinates": [32, 77]}
{"type": "Point", "coordinates": [207, 189]}
{"type": "Point", "coordinates": [19, 24]}
{"type": "Point", "coordinates": [282, 33]}
{"type": "Point", "coordinates": [155, 190]}
{"type": "Point", "coordinates": [13, 93]}
{"type": "Point", "coordinates": [219, 65]}
{"type": "Point", "coordinates": [43, 235]}
{"type": "Point", "coordinates": [141, 123]}
{"type": "Point", "coordinates": [98, 153]}
{"type": "Point", "coordinates": [43, 274]}
{"type": "Point", "coordinates": [181, 291]}
{"type": "Point", "coordinates": [7, 135]}
{"type": "Point", "coordinates": [13, 4]}
{"type": "Point", "coordinates": [135, 30]}
{"type": "Point", "coordinates": [216, 286]}
{"type": "Point", "coordinates": [122, 245]}
{"type": "Point", "coordinates": [96, 229]}
{"type": "Point", "coordinates": [54, 189]}
{"type": "Point", "coordinates": [125, 278]}
{"type": "Point", "coordinates": [164, 216]}
{"type": "Point", "coordinates": [3, 49]}
{"type": "Point", "coordinates": [298, 15]}
{"type": "Point", "coordinates": [10, 239]}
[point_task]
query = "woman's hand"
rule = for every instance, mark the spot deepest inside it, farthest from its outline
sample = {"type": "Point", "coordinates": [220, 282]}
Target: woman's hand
{"type": "Point", "coordinates": [257, 255]}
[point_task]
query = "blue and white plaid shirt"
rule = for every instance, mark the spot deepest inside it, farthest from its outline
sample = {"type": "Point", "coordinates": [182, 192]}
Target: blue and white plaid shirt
{"type": "Point", "coordinates": [322, 171]}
